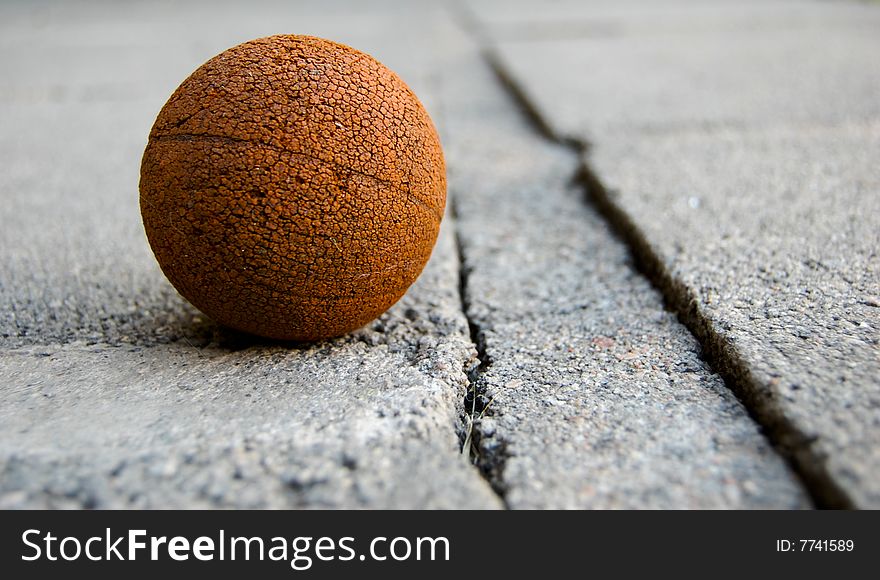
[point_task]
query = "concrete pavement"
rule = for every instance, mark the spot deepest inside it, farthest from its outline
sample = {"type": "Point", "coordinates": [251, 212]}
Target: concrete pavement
{"type": "Point", "coordinates": [592, 395]}
{"type": "Point", "coordinates": [116, 393]}
{"type": "Point", "coordinates": [735, 147]}
{"type": "Point", "coordinates": [701, 332]}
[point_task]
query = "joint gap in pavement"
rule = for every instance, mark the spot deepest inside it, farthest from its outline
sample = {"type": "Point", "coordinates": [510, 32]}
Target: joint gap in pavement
{"type": "Point", "coordinates": [794, 445]}
{"type": "Point", "coordinates": [723, 358]}
{"type": "Point", "coordinates": [490, 460]}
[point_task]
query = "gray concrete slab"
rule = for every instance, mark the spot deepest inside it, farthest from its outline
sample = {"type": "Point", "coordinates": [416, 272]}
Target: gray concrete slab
{"type": "Point", "coordinates": [779, 244]}
{"type": "Point", "coordinates": [737, 145]}
{"type": "Point", "coordinates": [370, 420]}
{"type": "Point", "coordinates": [594, 395]}
{"type": "Point", "coordinates": [115, 392]}
{"type": "Point", "coordinates": [678, 67]}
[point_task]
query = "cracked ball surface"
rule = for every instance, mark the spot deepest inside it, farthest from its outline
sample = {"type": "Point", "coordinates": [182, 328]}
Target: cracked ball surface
{"type": "Point", "coordinates": [293, 188]}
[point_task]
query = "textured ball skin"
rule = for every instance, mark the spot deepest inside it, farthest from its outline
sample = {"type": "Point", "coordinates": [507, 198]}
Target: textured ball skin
{"type": "Point", "coordinates": [293, 188]}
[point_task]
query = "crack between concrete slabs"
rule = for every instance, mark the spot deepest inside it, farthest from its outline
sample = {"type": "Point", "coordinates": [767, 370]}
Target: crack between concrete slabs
{"type": "Point", "coordinates": [490, 460]}
{"type": "Point", "coordinates": [786, 438]}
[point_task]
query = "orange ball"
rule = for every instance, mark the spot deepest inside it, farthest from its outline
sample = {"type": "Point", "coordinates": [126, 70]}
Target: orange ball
{"type": "Point", "coordinates": [293, 188]}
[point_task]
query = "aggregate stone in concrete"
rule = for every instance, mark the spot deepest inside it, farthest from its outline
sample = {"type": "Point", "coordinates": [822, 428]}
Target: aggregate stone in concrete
{"type": "Point", "coordinates": [744, 151]}
{"type": "Point", "coordinates": [116, 393]}
{"type": "Point", "coordinates": [596, 397]}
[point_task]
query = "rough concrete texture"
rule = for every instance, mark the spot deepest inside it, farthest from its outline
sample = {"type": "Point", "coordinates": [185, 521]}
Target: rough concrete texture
{"type": "Point", "coordinates": [783, 260]}
{"type": "Point", "coordinates": [371, 420]}
{"type": "Point", "coordinates": [597, 397]}
{"type": "Point", "coordinates": [115, 393]}
{"type": "Point", "coordinates": [737, 146]}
